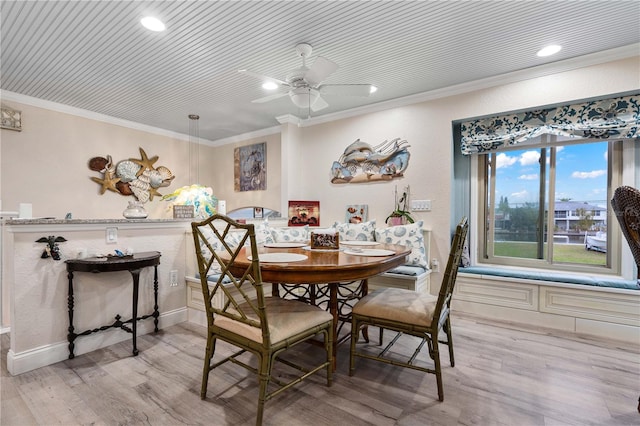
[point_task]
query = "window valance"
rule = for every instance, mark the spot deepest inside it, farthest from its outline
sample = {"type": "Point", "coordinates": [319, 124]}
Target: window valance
{"type": "Point", "coordinates": [601, 119]}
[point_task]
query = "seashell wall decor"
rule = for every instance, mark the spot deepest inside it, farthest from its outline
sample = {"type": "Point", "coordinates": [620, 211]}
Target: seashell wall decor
{"type": "Point", "coordinates": [127, 170]}
{"type": "Point", "coordinates": [132, 176]}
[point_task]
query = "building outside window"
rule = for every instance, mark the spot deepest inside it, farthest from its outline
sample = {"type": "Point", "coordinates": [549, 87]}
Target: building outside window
{"type": "Point", "coordinates": [520, 187]}
{"type": "Point", "coordinates": [541, 181]}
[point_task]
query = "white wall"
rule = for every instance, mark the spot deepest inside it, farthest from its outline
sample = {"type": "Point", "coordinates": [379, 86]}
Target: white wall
{"type": "Point", "coordinates": [220, 167]}
{"type": "Point", "coordinates": [46, 163]}
{"type": "Point", "coordinates": [39, 304]}
{"type": "Point", "coordinates": [427, 127]}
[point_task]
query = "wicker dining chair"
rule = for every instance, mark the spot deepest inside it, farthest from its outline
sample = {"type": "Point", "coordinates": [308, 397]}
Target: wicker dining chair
{"type": "Point", "coordinates": [411, 313]}
{"type": "Point", "coordinates": [626, 206]}
{"type": "Point", "coordinates": [239, 313]}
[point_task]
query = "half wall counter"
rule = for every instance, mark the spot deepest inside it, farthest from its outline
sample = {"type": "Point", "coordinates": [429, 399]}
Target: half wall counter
{"type": "Point", "coordinates": [35, 284]}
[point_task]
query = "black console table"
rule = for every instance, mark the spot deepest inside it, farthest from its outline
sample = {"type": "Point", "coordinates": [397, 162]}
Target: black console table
{"type": "Point", "coordinates": [133, 264]}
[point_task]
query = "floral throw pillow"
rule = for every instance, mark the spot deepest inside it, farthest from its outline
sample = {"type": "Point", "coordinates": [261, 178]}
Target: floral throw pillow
{"type": "Point", "coordinates": [232, 239]}
{"type": "Point", "coordinates": [263, 233]}
{"type": "Point", "coordinates": [363, 231]}
{"type": "Point", "coordinates": [293, 234]}
{"type": "Point", "coordinates": [407, 235]}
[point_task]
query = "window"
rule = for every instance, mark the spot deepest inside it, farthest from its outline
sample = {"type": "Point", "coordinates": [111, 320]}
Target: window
{"type": "Point", "coordinates": [244, 213]}
{"type": "Point", "coordinates": [574, 180]}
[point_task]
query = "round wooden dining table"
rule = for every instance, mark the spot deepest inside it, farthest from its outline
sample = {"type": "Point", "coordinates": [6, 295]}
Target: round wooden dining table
{"type": "Point", "coordinates": [332, 269]}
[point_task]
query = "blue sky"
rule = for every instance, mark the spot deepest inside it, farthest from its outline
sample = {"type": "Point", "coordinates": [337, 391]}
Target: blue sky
{"type": "Point", "coordinates": [581, 174]}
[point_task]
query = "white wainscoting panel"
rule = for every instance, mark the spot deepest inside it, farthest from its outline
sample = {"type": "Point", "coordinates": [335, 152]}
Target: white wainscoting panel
{"type": "Point", "coordinates": [610, 307]}
{"type": "Point", "coordinates": [496, 292]}
{"type": "Point", "coordinates": [597, 311]}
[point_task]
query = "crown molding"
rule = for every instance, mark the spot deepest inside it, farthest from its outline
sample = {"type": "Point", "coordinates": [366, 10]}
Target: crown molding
{"type": "Point", "coordinates": [79, 112]}
{"type": "Point", "coordinates": [245, 136]}
{"type": "Point", "coordinates": [289, 119]}
{"type": "Point", "coordinates": [516, 76]}
{"type": "Point", "coordinates": [485, 83]}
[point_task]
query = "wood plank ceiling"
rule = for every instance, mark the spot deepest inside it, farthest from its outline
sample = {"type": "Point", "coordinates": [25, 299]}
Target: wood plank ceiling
{"type": "Point", "coordinates": [96, 56]}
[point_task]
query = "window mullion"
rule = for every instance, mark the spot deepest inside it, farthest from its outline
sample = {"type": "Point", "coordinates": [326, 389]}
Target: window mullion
{"type": "Point", "coordinates": [541, 200]}
{"type": "Point", "coordinates": [490, 227]}
{"type": "Point", "coordinates": [552, 202]}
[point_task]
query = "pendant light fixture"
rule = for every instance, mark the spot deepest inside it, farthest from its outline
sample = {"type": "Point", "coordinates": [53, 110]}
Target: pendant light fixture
{"type": "Point", "coordinates": [196, 195]}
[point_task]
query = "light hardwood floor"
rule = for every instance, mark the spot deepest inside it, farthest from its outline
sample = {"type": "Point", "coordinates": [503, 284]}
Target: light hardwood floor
{"type": "Point", "coordinates": [504, 375]}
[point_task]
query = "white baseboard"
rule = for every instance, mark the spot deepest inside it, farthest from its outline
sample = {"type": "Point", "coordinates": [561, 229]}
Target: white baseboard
{"type": "Point", "coordinates": [197, 316]}
{"type": "Point", "coordinates": [18, 363]}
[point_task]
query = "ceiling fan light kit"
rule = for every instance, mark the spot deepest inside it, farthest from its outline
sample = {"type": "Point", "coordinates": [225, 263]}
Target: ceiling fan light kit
{"type": "Point", "coordinates": [304, 85]}
{"type": "Point", "coordinates": [304, 97]}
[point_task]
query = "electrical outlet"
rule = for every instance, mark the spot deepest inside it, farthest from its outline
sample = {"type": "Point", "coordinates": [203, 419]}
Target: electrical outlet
{"type": "Point", "coordinates": [111, 235]}
{"type": "Point", "coordinates": [173, 278]}
{"type": "Point", "coordinates": [421, 205]}
{"type": "Point", "coordinates": [435, 265]}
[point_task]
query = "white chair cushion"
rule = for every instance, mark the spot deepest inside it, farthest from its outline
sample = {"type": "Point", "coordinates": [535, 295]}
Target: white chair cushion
{"type": "Point", "coordinates": [286, 319]}
{"type": "Point", "coordinates": [410, 236]}
{"type": "Point", "coordinates": [398, 304]}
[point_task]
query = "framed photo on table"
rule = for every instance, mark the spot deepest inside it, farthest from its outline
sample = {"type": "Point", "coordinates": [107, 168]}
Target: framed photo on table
{"type": "Point", "coordinates": [258, 212]}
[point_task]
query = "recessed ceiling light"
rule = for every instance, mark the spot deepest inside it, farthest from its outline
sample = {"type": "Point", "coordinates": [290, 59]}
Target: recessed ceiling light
{"type": "Point", "coordinates": [373, 89]}
{"type": "Point", "coordinates": [153, 24]}
{"type": "Point", "coordinates": [269, 85]}
{"type": "Point", "coordinates": [549, 50]}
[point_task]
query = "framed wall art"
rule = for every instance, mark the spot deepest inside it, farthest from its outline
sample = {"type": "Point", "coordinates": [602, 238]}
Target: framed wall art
{"type": "Point", "coordinates": [10, 119]}
{"type": "Point", "coordinates": [250, 167]}
{"type": "Point", "coordinates": [357, 213]}
{"type": "Point", "coordinates": [304, 213]}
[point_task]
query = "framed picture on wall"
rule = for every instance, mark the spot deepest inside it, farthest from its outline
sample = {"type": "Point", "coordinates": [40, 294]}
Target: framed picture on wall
{"type": "Point", "coordinates": [250, 167]}
{"type": "Point", "coordinates": [304, 213]}
{"type": "Point", "coordinates": [11, 119]}
{"type": "Point", "coordinates": [357, 213]}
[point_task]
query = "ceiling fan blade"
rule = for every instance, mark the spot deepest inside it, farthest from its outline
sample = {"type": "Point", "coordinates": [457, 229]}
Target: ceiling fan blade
{"type": "Point", "coordinates": [263, 77]}
{"type": "Point", "coordinates": [319, 104]}
{"type": "Point", "coordinates": [269, 98]}
{"type": "Point", "coordinates": [321, 69]}
{"type": "Point", "coordinates": [346, 89]}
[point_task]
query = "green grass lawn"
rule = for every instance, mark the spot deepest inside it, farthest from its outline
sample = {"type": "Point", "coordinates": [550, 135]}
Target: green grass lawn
{"type": "Point", "coordinates": [562, 253]}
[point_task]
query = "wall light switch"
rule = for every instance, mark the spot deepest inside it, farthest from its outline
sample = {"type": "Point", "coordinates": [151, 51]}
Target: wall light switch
{"type": "Point", "coordinates": [111, 235]}
{"type": "Point", "coordinates": [421, 205]}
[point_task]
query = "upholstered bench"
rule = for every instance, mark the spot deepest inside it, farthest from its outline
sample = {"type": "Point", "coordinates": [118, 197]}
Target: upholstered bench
{"type": "Point", "coordinates": [557, 277]}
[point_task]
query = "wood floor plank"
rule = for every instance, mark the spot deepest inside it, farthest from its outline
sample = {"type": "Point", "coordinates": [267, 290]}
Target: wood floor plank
{"type": "Point", "coordinates": [505, 374]}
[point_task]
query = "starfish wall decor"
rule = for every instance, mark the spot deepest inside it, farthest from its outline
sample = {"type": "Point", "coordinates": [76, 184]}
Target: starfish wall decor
{"type": "Point", "coordinates": [131, 177]}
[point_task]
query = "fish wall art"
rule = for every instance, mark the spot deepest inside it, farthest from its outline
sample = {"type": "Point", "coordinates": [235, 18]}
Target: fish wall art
{"type": "Point", "coordinates": [361, 162]}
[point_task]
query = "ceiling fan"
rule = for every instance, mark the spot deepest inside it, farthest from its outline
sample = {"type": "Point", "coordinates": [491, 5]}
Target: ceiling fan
{"type": "Point", "coordinates": [304, 85]}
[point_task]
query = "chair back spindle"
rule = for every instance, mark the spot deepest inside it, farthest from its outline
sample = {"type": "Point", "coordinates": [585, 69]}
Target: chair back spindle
{"type": "Point", "coordinates": [239, 313]}
{"type": "Point", "coordinates": [451, 272]}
